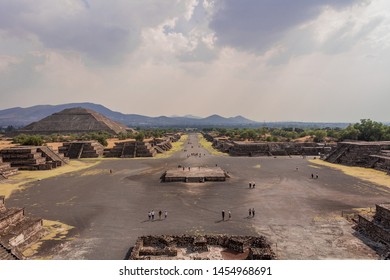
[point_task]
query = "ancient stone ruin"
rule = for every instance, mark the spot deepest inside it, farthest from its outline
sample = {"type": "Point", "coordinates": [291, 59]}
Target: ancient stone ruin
{"type": "Point", "coordinates": [364, 154]}
{"type": "Point", "coordinates": [6, 170]}
{"type": "Point", "coordinates": [194, 174]}
{"type": "Point", "coordinates": [82, 149]}
{"type": "Point", "coordinates": [132, 149]}
{"type": "Point", "coordinates": [377, 226]}
{"type": "Point", "coordinates": [74, 120]}
{"type": "Point", "coordinates": [17, 232]}
{"type": "Point", "coordinates": [33, 158]}
{"type": "Point", "coordinates": [242, 148]}
{"type": "Point", "coordinates": [202, 247]}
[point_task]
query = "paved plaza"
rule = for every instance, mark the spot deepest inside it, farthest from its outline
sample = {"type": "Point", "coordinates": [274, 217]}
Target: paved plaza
{"type": "Point", "coordinates": [300, 216]}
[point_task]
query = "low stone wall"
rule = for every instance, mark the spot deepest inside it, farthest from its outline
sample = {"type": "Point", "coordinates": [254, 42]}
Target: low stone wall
{"type": "Point", "coordinates": [377, 227]}
{"type": "Point", "coordinates": [363, 154]}
{"type": "Point", "coordinates": [147, 247]}
{"type": "Point", "coordinates": [241, 148]}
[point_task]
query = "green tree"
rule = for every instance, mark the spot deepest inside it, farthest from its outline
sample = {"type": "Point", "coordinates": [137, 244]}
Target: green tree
{"type": "Point", "coordinates": [140, 137]}
{"type": "Point", "coordinates": [370, 130]}
{"type": "Point", "coordinates": [319, 136]}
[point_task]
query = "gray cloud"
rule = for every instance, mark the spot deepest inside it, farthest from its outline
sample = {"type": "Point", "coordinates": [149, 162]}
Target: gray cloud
{"type": "Point", "coordinates": [101, 29]}
{"type": "Point", "coordinates": [257, 25]}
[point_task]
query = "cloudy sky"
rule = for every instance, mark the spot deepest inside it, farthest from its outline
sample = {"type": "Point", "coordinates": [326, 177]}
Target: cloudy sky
{"type": "Point", "coordinates": [268, 60]}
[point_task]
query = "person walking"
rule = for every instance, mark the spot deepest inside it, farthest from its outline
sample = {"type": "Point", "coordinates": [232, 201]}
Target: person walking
{"type": "Point", "coordinates": [250, 212]}
{"type": "Point", "coordinates": [230, 214]}
{"type": "Point", "coordinates": [159, 214]}
{"type": "Point", "coordinates": [312, 175]}
{"type": "Point", "coordinates": [149, 215]}
{"type": "Point", "coordinates": [253, 212]}
{"type": "Point", "coordinates": [223, 215]}
{"type": "Point", "coordinates": [253, 185]}
{"type": "Point", "coordinates": [250, 185]}
{"type": "Point", "coordinates": [165, 214]}
{"type": "Point", "coordinates": [152, 215]}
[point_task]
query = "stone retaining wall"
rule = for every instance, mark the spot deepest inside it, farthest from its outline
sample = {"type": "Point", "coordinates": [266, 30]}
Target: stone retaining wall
{"type": "Point", "coordinates": [363, 154]}
{"type": "Point", "coordinates": [18, 232]}
{"type": "Point", "coordinates": [377, 227]}
{"type": "Point", "coordinates": [147, 247]}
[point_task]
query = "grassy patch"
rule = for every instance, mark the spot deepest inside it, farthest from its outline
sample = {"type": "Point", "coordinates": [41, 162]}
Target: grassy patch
{"type": "Point", "coordinates": [19, 181]}
{"type": "Point", "coordinates": [315, 166]}
{"type": "Point", "coordinates": [365, 174]}
{"type": "Point", "coordinates": [57, 231]}
{"type": "Point", "coordinates": [208, 146]}
{"type": "Point", "coordinates": [176, 147]}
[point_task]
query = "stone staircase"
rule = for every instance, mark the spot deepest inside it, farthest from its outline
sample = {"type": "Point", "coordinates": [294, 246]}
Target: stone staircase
{"type": "Point", "coordinates": [6, 255]}
{"type": "Point", "coordinates": [6, 170]}
{"type": "Point", "coordinates": [131, 149]}
{"type": "Point", "coordinates": [18, 232]}
{"type": "Point", "coordinates": [336, 154]}
{"type": "Point", "coordinates": [82, 149]}
{"type": "Point", "coordinates": [52, 156]}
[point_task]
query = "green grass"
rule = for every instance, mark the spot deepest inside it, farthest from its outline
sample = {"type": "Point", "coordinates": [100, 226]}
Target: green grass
{"type": "Point", "coordinates": [208, 146]}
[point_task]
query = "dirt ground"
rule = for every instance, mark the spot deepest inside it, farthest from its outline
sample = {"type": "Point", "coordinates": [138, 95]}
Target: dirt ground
{"type": "Point", "coordinates": [301, 216]}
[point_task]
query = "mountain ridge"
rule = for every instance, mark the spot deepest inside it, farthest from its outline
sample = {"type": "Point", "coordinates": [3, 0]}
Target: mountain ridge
{"type": "Point", "coordinates": [19, 117]}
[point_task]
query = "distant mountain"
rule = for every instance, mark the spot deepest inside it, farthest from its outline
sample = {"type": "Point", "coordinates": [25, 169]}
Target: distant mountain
{"type": "Point", "coordinates": [20, 117]}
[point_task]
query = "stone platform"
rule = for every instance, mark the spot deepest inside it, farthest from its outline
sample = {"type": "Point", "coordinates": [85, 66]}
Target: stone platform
{"type": "Point", "coordinates": [194, 174]}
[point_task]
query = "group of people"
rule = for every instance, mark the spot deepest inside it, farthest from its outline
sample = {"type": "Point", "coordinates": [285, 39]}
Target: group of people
{"type": "Point", "coordinates": [312, 176]}
{"type": "Point", "coordinates": [229, 215]}
{"type": "Point", "coordinates": [151, 215]}
{"type": "Point", "coordinates": [252, 185]}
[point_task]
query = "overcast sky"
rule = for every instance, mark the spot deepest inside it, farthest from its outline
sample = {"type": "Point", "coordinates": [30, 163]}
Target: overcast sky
{"type": "Point", "coordinates": [268, 60]}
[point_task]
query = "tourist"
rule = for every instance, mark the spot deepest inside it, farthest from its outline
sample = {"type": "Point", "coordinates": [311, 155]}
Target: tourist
{"type": "Point", "coordinates": [223, 215]}
{"type": "Point", "coordinates": [312, 175]}
{"type": "Point", "coordinates": [316, 176]}
{"type": "Point", "coordinates": [159, 215]}
{"type": "Point", "coordinates": [253, 185]}
{"type": "Point", "coordinates": [110, 171]}
{"type": "Point", "coordinates": [149, 215]}
{"type": "Point", "coordinates": [253, 212]}
{"type": "Point", "coordinates": [165, 214]}
{"type": "Point", "coordinates": [250, 185]}
{"type": "Point", "coordinates": [152, 215]}
{"type": "Point", "coordinates": [230, 215]}
{"type": "Point", "coordinates": [250, 212]}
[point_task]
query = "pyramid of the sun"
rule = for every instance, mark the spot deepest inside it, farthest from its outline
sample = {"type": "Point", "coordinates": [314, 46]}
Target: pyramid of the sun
{"type": "Point", "coordinates": [74, 120]}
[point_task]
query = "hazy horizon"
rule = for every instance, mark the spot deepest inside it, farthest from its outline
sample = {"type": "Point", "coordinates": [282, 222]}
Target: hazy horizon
{"type": "Point", "coordinates": [272, 61]}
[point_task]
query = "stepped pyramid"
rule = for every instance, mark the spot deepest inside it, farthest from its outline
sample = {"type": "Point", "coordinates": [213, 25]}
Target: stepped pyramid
{"type": "Point", "coordinates": [74, 120]}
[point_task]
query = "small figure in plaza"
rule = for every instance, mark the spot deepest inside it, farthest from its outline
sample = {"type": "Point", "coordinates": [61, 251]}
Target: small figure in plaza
{"type": "Point", "coordinates": [149, 215]}
{"type": "Point", "coordinates": [152, 215]}
{"type": "Point", "coordinates": [312, 175]}
{"type": "Point", "coordinates": [250, 185]}
{"type": "Point", "coordinates": [159, 214]}
{"type": "Point", "coordinates": [316, 176]}
{"type": "Point", "coordinates": [230, 214]}
{"type": "Point", "coordinates": [223, 215]}
{"type": "Point", "coordinates": [253, 212]}
{"type": "Point", "coordinates": [250, 212]}
{"type": "Point", "coordinates": [165, 214]}
{"type": "Point", "coordinates": [253, 185]}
